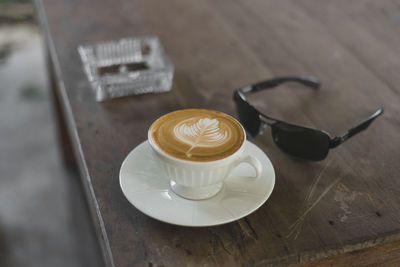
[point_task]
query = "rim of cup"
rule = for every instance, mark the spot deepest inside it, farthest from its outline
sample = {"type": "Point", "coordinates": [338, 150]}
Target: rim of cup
{"type": "Point", "coordinates": [161, 152]}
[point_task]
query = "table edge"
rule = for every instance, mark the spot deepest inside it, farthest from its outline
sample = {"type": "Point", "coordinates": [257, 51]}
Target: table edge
{"type": "Point", "coordinates": [72, 130]}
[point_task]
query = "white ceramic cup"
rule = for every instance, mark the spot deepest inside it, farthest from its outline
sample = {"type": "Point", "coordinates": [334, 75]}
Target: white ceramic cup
{"type": "Point", "coordinates": [201, 180]}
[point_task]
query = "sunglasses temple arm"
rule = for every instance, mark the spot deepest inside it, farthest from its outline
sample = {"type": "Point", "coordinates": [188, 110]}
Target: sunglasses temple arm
{"type": "Point", "coordinates": [306, 81]}
{"type": "Point", "coordinates": [355, 130]}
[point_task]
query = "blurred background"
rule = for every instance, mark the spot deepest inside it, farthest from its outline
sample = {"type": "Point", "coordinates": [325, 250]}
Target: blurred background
{"type": "Point", "coordinates": [43, 214]}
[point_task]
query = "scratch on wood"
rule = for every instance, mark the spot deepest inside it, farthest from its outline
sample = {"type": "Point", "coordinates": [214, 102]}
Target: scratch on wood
{"type": "Point", "coordinates": [345, 197]}
{"type": "Point", "coordinates": [165, 249]}
{"type": "Point", "coordinates": [251, 228]}
{"type": "Point", "coordinates": [247, 228]}
{"type": "Point", "coordinates": [316, 181]}
{"type": "Point", "coordinates": [297, 225]}
{"type": "Point", "coordinates": [217, 240]}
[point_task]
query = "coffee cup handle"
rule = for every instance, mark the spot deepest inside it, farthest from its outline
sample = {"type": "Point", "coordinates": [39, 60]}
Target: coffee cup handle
{"type": "Point", "coordinates": [254, 162]}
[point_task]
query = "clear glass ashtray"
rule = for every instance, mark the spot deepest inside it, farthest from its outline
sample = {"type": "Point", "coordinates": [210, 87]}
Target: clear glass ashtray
{"type": "Point", "coordinates": [129, 66]}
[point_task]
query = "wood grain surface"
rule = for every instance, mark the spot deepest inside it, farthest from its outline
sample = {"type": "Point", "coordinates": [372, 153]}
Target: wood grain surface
{"type": "Point", "coordinates": [347, 203]}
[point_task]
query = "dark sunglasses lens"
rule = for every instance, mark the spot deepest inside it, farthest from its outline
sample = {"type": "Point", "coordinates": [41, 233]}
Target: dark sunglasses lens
{"type": "Point", "coordinates": [301, 142]}
{"type": "Point", "coordinates": [248, 116]}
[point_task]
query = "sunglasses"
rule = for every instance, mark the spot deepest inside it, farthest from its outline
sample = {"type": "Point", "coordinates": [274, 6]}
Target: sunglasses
{"type": "Point", "coordinates": [297, 141]}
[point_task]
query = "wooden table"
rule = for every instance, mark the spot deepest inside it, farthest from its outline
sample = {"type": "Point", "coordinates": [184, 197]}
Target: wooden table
{"type": "Point", "coordinates": [347, 205]}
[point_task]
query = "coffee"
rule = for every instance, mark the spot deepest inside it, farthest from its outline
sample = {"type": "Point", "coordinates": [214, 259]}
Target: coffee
{"type": "Point", "coordinates": [197, 134]}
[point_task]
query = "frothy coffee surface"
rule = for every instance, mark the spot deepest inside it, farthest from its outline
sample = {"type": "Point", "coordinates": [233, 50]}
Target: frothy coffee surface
{"type": "Point", "coordinates": [197, 134]}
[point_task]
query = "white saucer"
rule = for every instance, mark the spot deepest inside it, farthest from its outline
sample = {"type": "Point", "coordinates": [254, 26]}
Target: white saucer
{"type": "Point", "coordinates": [147, 188]}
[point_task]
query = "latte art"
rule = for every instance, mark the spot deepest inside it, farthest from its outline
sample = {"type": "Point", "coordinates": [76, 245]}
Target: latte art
{"type": "Point", "coordinates": [200, 132]}
{"type": "Point", "coordinates": [197, 134]}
